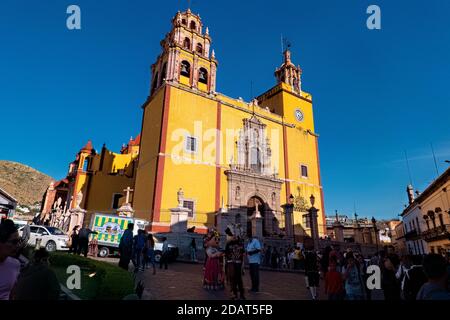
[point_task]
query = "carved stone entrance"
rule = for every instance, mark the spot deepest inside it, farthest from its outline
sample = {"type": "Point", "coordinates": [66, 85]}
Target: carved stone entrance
{"type": "Point", "coordinates": [253, 187]}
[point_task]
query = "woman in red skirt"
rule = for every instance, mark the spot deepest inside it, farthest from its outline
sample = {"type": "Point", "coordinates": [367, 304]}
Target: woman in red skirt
{"type": "Point", "coordinates": [213, 277]}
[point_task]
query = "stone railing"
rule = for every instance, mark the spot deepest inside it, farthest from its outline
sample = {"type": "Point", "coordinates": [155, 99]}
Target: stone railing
{"type": "Point", "coordinates": [438, 233]}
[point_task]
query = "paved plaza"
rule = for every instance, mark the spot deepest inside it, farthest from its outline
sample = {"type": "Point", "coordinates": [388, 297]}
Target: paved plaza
{"type": "Point", "coordinates": [183, 281]}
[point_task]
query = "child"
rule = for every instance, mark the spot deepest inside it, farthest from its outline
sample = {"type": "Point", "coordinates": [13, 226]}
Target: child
{"type": "Point", "coordinates": [334, 283]}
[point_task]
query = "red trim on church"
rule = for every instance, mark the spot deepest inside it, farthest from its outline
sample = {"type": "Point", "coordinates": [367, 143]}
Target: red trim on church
{"type": "Point", "coordinates": [286, 165]}
{"type": "Point", "coordinates": [156, 210]}
{"type": "Point", "coordinates": [218, 154]}
{"type": "Point", "coordinates": [320, 184]}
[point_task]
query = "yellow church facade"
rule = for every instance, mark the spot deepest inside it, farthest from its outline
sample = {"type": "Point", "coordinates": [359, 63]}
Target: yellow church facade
{"type": "Point", "coordinates": [95, 181]}
{"type": "Point", "coordinates": [225, 154]}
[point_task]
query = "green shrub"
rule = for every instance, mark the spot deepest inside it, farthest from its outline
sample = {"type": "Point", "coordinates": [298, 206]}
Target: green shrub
{"type": "Point", "coordinates": [110, 281]}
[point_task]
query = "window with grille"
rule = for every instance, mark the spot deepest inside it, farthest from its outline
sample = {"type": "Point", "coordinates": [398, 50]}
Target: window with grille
{"type": "Point", "coordinates": [190, 205]}
{"type": "Point", "coordinates": [191, 144]}
{"type": "Point", "coordinates": [304, 171]}
{"type": "Point", "coordinates": [116, 198]}
{"type": "Point", "coordinates": [306, 222]}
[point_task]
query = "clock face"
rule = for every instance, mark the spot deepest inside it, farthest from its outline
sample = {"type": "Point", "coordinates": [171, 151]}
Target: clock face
{"type": "Point", "coordinates": [299, 115]}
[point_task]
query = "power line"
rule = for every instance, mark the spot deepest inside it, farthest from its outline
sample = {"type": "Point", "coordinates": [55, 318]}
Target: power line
{"type": "Point", "coordinates": [409, 169]}
{"type": "Point", "coordinates": [435, 162]}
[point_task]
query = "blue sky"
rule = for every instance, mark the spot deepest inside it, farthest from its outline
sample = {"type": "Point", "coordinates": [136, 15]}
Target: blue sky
{"type": "Point", "coordinates": [376, 93]}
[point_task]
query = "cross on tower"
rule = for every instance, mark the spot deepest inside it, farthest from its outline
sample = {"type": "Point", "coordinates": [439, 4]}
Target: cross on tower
{"type": "Point", "coordinates": [128, 190]}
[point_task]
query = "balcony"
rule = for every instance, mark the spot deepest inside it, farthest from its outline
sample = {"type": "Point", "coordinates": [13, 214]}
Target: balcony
{"type": "Point", "coordinates": [412, 235]}
{"type": "Point", "coordinates": [438, 233]}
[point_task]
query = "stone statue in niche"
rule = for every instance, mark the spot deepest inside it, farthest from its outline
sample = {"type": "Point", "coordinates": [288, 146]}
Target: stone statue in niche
{"type": "Point", "coordinates": [238, 193]}
{"type": "Point", "coordinates": [79, 198]}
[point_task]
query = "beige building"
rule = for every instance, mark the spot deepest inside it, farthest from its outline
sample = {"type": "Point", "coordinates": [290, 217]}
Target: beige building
{"type": "Point", "coordinates": [398, 239]}
{"type": "Point", "coordinates": [426, 220]}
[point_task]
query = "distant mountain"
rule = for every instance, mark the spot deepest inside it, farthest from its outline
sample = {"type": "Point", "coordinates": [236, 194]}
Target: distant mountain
{"type": "Point", "coordinates": [24, 183]}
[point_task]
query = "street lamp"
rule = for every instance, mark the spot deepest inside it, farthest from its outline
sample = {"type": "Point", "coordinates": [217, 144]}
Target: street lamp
{"type": "Point", "coordinates": [291, 199]}
{"type": "Point", "coordinates": [291, 203]}
{"type": "Point", "coordinates": [374, 222]}
{"type": "Point", "coordinates": [312, 199]}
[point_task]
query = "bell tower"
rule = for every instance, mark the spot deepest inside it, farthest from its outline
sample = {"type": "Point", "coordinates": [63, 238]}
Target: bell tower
{"type": "Point", "coordinates": [185, 56]}
{"type": "Point", "coordinates": [289, 73]}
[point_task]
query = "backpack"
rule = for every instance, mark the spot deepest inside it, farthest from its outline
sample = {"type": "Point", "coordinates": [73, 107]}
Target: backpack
{"type": "Point", "coordinates": [414, 279]}
{"type": "Point", "coordinates": [140, 242]}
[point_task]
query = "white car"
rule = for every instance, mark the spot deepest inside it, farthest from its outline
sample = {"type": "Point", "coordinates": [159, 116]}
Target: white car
{"type": "Point", "coordinates": [52, 238]}
{"type": "Point", "coordinates": [173, 250]}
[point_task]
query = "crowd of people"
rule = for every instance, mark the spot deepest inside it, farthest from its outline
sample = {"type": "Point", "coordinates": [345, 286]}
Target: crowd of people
{"type": "Point", "coordinates": [140, 250]}
{"type": "Point", "coordinates": [346, 276]}
{"type": "Point", "coordinates": [226, 266]}
{"type": "Point", "coordinates": [283, 258]}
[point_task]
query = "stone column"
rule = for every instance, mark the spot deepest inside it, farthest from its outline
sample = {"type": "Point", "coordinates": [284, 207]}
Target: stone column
{"type": "Point", "coordinates": [223, 219]}
{"type": "Point", "coordinates": [288, 210]}
{"type": "Point", "coordinates": [257, 227]}
{"type": "Point", "coordinates": [314, 226]}
{"type": "Point", "coordinates": [125, 211]}
{"type": "Point", "coordinates": [367, 236]}
{"type": "Point", "coordinates": [76, 218]}
{"type": "Point", "coordinates": [338, 231]}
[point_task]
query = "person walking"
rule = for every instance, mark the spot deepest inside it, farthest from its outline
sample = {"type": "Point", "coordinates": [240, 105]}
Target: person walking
{"type": "Point", "coordinates": [139, 246]}
{"type": "Point", "coordinates": [74, 240]}
{"type": "Point", "coordinates": [312, 273]}
{"type": "Point", "coordinates": [389, 282]}
{"type": "Point", "coordinates": [334, 285]}
{"type": "Point", "coordinates": [83, 240]}
{"type": "Point", "coordinates": [354, 288]}
{"type": "Point", "coordinates": [274, 258]}
{"type": "Point", "coordinates": [435, 288]}
{"type": "Point", "coordinates": [9, 266]}
{"type": "Point", "coordinates": [234, 257]}
{"type": "Point", "coordinates": [254, 260]}
{"type": "Point", "coordinates": [213, 277]}
{"type": "Point", "coordinates": [193, 247]}
{"type": "Point", "coordinates": [164, 255]}
{"type": "Point", "coordinates": [126, 247]}
{"type": "Point", "coordinates": [151, 252]}
{"type": "Point", "coordinates": [414, 279]}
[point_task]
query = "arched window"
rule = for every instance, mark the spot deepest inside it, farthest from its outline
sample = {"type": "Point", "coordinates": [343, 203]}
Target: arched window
{"type": "Point", "coordinates": [163, 73]}
{"type": "Point", "coordinates": [199, 48]}
{"type": "Point", "coordinates": [184, 22]}
{"type": "Point", "coordinates": [86, 164]}
{"type": "Point", "coordinates": [187, 43]}
{"type": "Point", "coordinates": [203, 76]}
{"type": "Point", "coordinates": [155, 82]}
{"type": "Point", "coordinates": [255, 159]}
{"type": "Point", "coordinates": [185, 68]}
{"type": "Point", "coordinates": [193, 25]}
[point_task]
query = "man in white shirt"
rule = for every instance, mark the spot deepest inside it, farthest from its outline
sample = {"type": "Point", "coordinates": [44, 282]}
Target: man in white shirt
{"type": "Point", "coordinates": [9, 267]}
{"type": "Point", "coordinates": [254, 260]}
